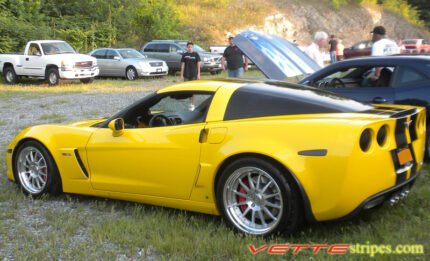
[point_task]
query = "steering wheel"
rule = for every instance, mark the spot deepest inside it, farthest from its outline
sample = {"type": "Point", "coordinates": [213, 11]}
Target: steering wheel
{"type": "Point", "coordinates": [159, 120]}
{"type": "Point", "coordinates": [337, 80]}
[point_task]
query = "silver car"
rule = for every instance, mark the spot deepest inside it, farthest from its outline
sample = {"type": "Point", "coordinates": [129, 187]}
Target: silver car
{"type": "Point", "coordinates": [128, 63]}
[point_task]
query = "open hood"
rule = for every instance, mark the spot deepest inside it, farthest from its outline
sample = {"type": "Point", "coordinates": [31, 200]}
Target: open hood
{"type": "Point", "coordinates": [277, 58]}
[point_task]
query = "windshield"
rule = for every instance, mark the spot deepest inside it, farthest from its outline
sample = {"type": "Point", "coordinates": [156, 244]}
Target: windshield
{"type": "Point", "coordinates": [196, 48]}
{"type": "Point", "coordinates": [130, 54]}
{"type": "Point", "coordinates": [56, 48]}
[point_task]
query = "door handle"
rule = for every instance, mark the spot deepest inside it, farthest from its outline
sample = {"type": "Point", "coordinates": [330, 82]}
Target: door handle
{"type": "Point", "coordinates": [379, 100]}
{"type": "Point", "coordinates": [27, 59]}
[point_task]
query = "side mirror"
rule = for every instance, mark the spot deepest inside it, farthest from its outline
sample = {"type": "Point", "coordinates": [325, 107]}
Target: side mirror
{"type": "Point", "coordinates": [117, 127]}
{"type": "Point", "coordinates": [117, 58]}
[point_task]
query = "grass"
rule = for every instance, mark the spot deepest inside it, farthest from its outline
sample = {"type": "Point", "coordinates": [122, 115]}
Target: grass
{"type": "Point", "coordinates": [72, 227]}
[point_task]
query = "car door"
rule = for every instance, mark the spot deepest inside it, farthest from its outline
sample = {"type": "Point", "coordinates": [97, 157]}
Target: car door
{"type": "Point", "coordinates": [33, 63]}
{"type": "Point", "coordinates": [160, 161]}
{"type": "Point", "coordinates": [112, 63]}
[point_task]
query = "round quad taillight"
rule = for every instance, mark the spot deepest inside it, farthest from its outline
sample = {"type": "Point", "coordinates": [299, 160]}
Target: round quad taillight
{"type": "Point", "coordinates": [381, 136]}
{"type": "Point", "coordinates": [366, 140]}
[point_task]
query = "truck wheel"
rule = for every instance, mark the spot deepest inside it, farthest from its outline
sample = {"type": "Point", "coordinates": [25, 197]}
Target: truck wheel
{"type": "Point", "coordinates": [10, 75]}
{"type": "Point", "coordinates": [87, 80]}
{"type": "Point", "coordinates": [52, 76]}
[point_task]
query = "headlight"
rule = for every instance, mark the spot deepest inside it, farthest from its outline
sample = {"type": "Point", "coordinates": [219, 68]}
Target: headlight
{"type": "Point", "coordinates": [206, 59]}
{"type": "Point", "coordinates": [66, 66]}
{"type": "Point", "coordinates": [144, 65]}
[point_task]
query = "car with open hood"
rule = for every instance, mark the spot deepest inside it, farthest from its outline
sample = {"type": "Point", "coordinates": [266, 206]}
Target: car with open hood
{"type": "Point", "coordinates": [403, 79]}
{"type": "Point", "coordinates": [265, 155]}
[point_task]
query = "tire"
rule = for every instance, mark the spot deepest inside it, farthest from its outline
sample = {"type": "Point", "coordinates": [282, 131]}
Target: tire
{"type": "Point", "coordinates": [52, 76]}
{"type": "Point", "coordinates": [244, 184]}
{"type": "Point", "coordinates": [35, 170]}
{"type": "Point", "coordinates": [87, 80]}
{"type": "Point", "coordinates": [131, 73]}
{"type": "Point", "coordinates": [9, 75]}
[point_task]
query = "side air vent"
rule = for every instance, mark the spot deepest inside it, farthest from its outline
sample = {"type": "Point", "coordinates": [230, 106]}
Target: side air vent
{"type": "Point", "coordinates": [81, 164]}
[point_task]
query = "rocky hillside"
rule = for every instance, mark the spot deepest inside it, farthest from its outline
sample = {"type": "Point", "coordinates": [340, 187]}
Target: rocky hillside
{"type": "Point", "coordinates": [298, 20]}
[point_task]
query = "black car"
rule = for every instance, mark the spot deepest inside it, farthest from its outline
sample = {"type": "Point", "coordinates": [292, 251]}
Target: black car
{"type": "Point", "coordinates": [403, 79]}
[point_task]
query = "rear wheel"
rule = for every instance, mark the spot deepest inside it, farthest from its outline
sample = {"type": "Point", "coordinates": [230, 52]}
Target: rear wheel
{"type": "Point", "coordinates": [131, 73]}
{"type": "Point", "coordinates": [35, 170]}
{"type": "Point", "coordinates": [10, 75]}
{"type": "Point", "coordinates": [53, 76]}
{"type": "Point", "coordinates": [256, 198]}
{"type": "Point", "coordinates": [87, 80]}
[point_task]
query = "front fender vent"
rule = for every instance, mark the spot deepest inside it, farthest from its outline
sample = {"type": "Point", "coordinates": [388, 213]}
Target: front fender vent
{"type": "Point", "coordinates": [81, 164]}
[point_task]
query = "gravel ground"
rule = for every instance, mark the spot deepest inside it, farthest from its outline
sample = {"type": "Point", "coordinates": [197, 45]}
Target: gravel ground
{"type": "Point", "coordinates": [27, 218]}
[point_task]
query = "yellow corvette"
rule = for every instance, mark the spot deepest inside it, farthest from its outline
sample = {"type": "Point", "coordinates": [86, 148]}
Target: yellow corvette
{"type": "Point", "coordinates": [265, 155]}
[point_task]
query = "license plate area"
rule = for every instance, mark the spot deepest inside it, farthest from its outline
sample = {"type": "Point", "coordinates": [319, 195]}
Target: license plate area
{"type": "Point", "coordinates": [404, 156]}
{"type": "Point", "coordinates": [158, 70]}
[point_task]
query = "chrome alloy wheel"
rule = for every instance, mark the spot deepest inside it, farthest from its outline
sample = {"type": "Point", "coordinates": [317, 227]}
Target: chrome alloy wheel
{"type": "Point", "coordinates": [253, 200]}
{"type": "Point", "coordinates": [9, 76]}
{"type": "Point", "coordinates": [131, 74]}
{"type": "Point", "coordinates": [32, 170]}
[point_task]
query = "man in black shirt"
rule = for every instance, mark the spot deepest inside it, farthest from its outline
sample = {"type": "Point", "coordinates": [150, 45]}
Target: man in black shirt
{"type": "Point", "coordinates": [236, 60]}
{"type": "Point", "coordinates": [190, 64]}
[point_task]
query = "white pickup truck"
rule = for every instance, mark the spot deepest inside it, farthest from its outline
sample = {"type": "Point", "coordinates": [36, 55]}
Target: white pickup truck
{"type": "Point", "coordinates": [51, 60]}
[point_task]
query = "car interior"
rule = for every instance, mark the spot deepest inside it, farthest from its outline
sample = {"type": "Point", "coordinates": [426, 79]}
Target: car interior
{"type": "Point", "coordinates": [355, 77]}
{"type": "Point", "coordinates": [172, 109]}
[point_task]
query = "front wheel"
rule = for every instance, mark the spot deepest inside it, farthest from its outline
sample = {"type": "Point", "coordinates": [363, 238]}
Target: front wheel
{"type": "Point", "coordinates": [87, 80]}
{"type": "Point", "coordinates": [255, 197]}
{"type": "Point", "coordinates": [35, 170]}
{"type": "Point", "coordinates": [53, 76]}
{"type": "Point", "coordinates": [131, 73]}
{"type": "Point", "coordinates": [10, 75]}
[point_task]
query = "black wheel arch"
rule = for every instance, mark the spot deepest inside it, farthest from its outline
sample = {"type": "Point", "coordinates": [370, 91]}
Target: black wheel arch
{"type": "Point", "coordinates": [291, 178]}
{"type": "Point", "coordinates": [14, 154]}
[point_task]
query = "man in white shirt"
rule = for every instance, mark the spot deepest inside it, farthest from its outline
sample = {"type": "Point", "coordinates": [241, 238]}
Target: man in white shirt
{"type": "Point", "coordinates": [313, 50]}
{"type": "Point", "coordinates": [381, 47]}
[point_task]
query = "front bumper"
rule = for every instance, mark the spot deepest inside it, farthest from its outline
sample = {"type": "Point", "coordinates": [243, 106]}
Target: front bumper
{"type": "Point", "coordinates": [210, 66]}
{"type": "Point", "coordinates": [153, 71]}
{"type": "Point", "coordinates": [79, 73]}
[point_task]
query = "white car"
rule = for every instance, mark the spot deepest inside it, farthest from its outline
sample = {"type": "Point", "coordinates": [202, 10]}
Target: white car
{"type": "Point", "coordinates": [51, 60]}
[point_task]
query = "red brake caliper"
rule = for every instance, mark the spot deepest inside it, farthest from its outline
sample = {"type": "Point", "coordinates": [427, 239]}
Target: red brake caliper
{"type": "Point", "coordinates": [241, 199]}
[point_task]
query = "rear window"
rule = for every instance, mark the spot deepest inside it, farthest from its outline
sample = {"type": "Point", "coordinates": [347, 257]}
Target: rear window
{"type": "Point", "coordinates": [261, 100]}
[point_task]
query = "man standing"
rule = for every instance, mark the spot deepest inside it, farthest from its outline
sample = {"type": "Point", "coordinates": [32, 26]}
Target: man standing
{"type": "Point", "coordinates": [313, 50]}
{"type": "Point", "coordinates": [381, 47]}
{"type": "Point", "coordinates": [237, 62]}
{"type": "Point", "coordinates": [333, 48]}
{"type": "Point", "coordinates": [190, 64]}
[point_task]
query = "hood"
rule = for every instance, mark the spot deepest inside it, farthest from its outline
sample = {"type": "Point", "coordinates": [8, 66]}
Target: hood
{"type": "Point", "coordinates": [146, 60]}
{"type": "Point", "coordinates": [86, 123]}
{"type": "Point", "coordinates": [277, 58]}
{"type": "Point", "coordinates": [76, 57]}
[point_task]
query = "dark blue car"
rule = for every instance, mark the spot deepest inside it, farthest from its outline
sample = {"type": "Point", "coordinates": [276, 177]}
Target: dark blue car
{"type": "Point", "coordinates": [403, 79]}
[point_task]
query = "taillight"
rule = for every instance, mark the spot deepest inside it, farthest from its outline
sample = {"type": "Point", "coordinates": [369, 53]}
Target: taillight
{"type": "Point", "coordinates": [366, 139]}
{"type": "Point", "coordinates": [381, 136]}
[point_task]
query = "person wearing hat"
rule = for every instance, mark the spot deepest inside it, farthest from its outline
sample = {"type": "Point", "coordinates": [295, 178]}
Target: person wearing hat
{"type": "Point", "coordinates": [237, 62]}
{"type": "Point", "coordinates": [381, 47]}
{"type": "Point", "coordinates": [190, 64]}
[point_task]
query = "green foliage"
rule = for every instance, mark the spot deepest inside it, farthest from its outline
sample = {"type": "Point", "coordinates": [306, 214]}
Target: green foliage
{"type": "Point", "coordinates": [403, 8]}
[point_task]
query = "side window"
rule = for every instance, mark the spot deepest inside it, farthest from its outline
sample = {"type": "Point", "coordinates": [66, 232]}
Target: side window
{"type": "Point", "coordinates": [99, 54]}
{"type": "Point", "coordinates": [173, 48]}
{"type": "Point", "coordinates": [408, 75]}
{"type": "Point", "coordinates": [110, 54]}
{"type": "Point", "coordinates": [34, 49]}
{"type": "Point", "coordinates": [149, 48]}
{"type": "Point", "coordinates": [162, 48]}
